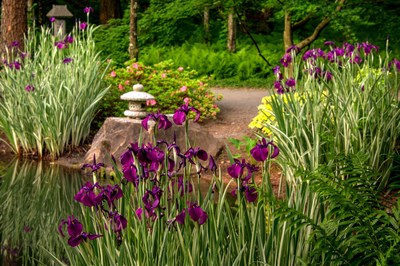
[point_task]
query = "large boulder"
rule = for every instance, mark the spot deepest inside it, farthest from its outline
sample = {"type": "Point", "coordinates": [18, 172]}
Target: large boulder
{"type": "Point", "coordinates": [117, 133]}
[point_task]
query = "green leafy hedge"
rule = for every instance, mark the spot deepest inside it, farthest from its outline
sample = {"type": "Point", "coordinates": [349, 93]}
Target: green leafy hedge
{"type": "Point", "coordinates": [169, 84]}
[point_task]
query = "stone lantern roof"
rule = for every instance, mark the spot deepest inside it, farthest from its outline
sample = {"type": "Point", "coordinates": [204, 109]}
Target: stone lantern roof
{"type": "Point", "coordinates": [137, 102]}
{"type": "Point", "coordinates": [59, 11]}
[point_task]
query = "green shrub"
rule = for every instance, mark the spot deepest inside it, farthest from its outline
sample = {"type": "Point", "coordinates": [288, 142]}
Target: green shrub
{"type": "Point", "coordinates": [170, 85]}
{"type": "Point", "coordinates": [50, 95]}
{"type": "Point", "coordinates": [112, 40]}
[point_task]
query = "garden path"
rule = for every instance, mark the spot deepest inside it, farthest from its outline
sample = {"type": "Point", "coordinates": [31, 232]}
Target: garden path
{"type": "Point", "coordinates": [238, 107]}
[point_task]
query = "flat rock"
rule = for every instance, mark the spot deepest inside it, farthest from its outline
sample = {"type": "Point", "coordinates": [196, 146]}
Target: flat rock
{"type": "Point", "coordinates": [117, 133]}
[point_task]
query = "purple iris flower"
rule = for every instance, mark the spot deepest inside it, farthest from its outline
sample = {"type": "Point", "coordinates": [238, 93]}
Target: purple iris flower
{"type": "Point", "coordinates": [23, 55]}
{"type": "Point", "coordinates": [76, 240]}
{"type": "Point", "coordinates": [86, 195]}
{"type": "Point", "coordinates": [194, 153]}
{"type": "Point", "coordinates": [118, 222]}
{"type": "Point", "coordinates": [239, 168]}
{"type": "Point", "coordinates": [396, 63]}
{"type": "Point", "coordinates": [151, 156]}
{"type": "Point", "coordinates": [314, 54]}
{"type": "Point", "coordinates": [67, 60]}
{"type": "Point", "coordinates": [74, 227]}
{"type": "Point", "coordinates": [75, 231]}
{"type": "Point", "coordinates": [250, 193]}
{"type": "Point", "coordinates": [291, 82]}
{"type": "Point", "coordinates": [180, 115]}
{"type": "Point", "coordinates": [15, 65]}
{"type": "Point", "coordinates": [29, 88]}
{"type": "Point", "coordinates": [334, 54]}
{"type": "Point", "coordinates": [330, 43]}
{"type": "Point", "coordinates": [127, 156]}
{"type": "Point", "coordinates": [348, 49]}
{"type": "Point", "coordinates": [15, 44]}
{"type": "Point", "coordinates": [279, 88]}
{"type": "Point", "coordinates": [356, 59]}
{"type": "Point", "coordinates": [286, 60]}
{"type": "Point", "coordinates": [111, 194]}
{"type": "Point", "coordinates": [82, 25]}
{"type": "Point", "coordinates": [367, 47]}
{"type": "Point", "coordinates": [52, 19]}
{"type": "Point", "coordinates": [60, 44]}
{"type": "Point", "coordinates": [180, 218]}
{"type": "Point", "coordinates": [139, 212]}
{"type": "Point", "coordinates": [68, 39]}
{"type": "Point", "coordinates": [327, 75]}
{"type": "Point", "coordinates": [94, 166]}
{"type": "Point", "coordinates": [88, 10]}
{"type": "Point", "coordinates": [161, 119]}
{"type": "Point", "coordinates": [212, 165]}
{"type": "Point", "coordinates": [151, 200]}
{"type": "Point", "coordinates": [293, 48]}
{"type": "Point", "coordinates": [197, 213]}
{"type": "Point", "coordinates": [131, 174]}
{"type": "Point", "coordinates": [277, 70]}
{"type": "Point", "coordinates": [261, 151]}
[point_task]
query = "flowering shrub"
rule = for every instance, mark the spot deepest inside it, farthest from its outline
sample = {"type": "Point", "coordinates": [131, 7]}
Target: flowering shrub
{"type": "Point", "coordinates": [170, 85]}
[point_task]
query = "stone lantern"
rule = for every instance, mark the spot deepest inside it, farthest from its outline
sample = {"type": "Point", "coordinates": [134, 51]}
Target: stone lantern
{"type": "Point", "coordinates": [137, 102]}
{"type": "Point", "coordinates": [60, 13]}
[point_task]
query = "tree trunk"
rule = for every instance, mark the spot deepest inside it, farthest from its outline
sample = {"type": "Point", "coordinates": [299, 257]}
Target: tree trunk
{"type": "Point", "coordinates": [287, 32]}
{"type": "Point", "coordinates": [231, 32]}
{"type": "Point", "coordinates": [133, 44]}
{"type": "Point", "coordinates": [109, 9]}
{"type": "Point", "coordinates": [206, 22]}
{"type": "Point", "coordinates": [13, 22]}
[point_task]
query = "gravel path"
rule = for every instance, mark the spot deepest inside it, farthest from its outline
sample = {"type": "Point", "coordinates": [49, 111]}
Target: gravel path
{"type": "Point", "coordinates": [238, 107]}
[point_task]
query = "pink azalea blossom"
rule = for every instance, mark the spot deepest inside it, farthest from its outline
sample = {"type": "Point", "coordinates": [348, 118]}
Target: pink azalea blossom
{"type": "Point", "coordinates": [113, 74]}
{"type": "Point", "coordinates": [186, 100]}
{"type": "Point", "coordinates": [163, 75]}
{"type": "Point", "coordinates": [126, 82]}
{"type": "Point", "coordinates": [120, 87]}
{"type": "Point", "coordinates": [180, 69]}
{"type": "Point", "coordinates": [183, 89]}
{"type": "Point", "coordinates": [151, 102]}
{"type": "Point", "coordinates": [135, 65]}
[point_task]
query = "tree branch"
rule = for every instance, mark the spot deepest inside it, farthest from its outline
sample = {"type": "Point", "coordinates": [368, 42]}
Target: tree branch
{"type": "Point", "coordinates": [301, 22]}
{"type": "Point", "coordinates": [319, 28]}
{"type": "Point", "coordinates": [244, 28]}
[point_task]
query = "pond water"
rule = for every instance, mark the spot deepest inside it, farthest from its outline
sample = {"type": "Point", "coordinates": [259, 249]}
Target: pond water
{"type": "Point", "coordinates": [34, 197]}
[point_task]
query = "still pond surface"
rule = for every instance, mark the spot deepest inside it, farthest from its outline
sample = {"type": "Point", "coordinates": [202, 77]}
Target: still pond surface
{"type": "Point", "coordinates": [34, 197]}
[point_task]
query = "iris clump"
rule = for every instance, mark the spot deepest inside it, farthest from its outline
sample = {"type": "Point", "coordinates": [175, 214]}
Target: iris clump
{"type": "Point", "coordinates": [65, 98]}
{"type": "Point", "coordinates": [155, 201]}
{"type": "Point", "coordinates": [337, 134]}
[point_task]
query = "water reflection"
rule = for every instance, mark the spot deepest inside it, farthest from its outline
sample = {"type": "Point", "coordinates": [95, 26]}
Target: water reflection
{"type": "Point", "coordinates": [34, 197]}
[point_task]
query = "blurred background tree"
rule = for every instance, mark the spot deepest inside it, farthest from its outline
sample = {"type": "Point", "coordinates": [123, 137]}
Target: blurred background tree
{"type": "Point", "coordinates": [215, 26]}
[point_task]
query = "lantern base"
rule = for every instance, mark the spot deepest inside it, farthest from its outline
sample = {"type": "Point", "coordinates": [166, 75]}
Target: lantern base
{"type": "Point", "coordinates": [135, 114]}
